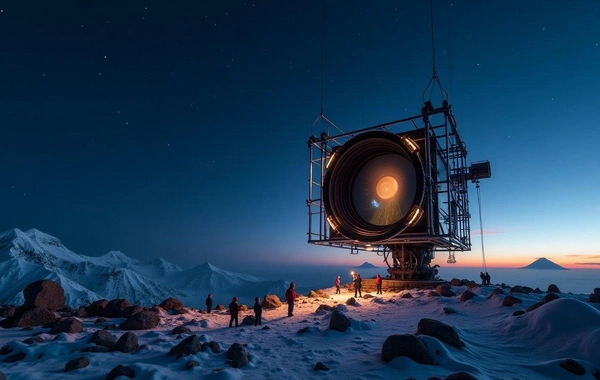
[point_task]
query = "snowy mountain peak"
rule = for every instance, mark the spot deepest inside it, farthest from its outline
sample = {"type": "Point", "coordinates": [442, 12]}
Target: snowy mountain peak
{"type": "Point", "coordinates": [43, 238]}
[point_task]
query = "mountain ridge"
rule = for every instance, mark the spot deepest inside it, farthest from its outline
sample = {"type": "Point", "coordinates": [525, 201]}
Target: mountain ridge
{"type": "Point", "coordinates": [32, 255]}
{"type": "Point", "coordinates": [544, 263]}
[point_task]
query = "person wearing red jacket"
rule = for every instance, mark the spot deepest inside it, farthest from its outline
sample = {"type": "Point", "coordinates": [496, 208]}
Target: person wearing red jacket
{"type": "Point", "coordinates": [290, 296]}
{"type": "Point", "coordinates": [234, 309]}
{"type": "Point", "coordinates": [378, 283]}
{"type": "Point", "coordinates": [338, 283]}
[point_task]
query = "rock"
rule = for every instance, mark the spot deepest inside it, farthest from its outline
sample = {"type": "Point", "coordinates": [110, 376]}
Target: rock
{"type": "Point", "coordinates": [7, 311]}
{"type": "Point", "coordinates": [131, 311]}
{"type": "Point", "coordinates": [271, 301]}
{"type": "Point", "coordinates": [320, 367]}
{"type": "Point", "coordinates": [171, 304]}
{"type": "Point", "coordinates": [573, 366]}
{"type": "Point", "coordinates": [34, 339]}
{"type": "Point", "coordinates": [318, 294]}
{"type": "Point", "coordinates": [406, 295]}
{"type": "Point", "coordinates": [308, 330]}
{"type": "Point", "coordinates": [553, 289]}
{"type": "Point", "coordinates": [45, 294]}
{"type": "Point", "coordinates": [405, 345]}
{"type": "Point", "coordinates": [455, 282]}
{"type": "Point", "coordinates": [433, 293]}
{"type": "Point", "coordinates": [445, 290]}
{"type": "Point", "coordinates": [495, 292]}
{"type": "Point", "coordinates": [114, 308]}
{"type": "Point", "coordinates": [213, 346]}
{"type": "Point", "coordinates": [595, 298]}
{"type": "Point", "coordinates": [339, 321]}
{"type": "Point", "coordinates": [351, 301]}
{"type": "Point", "coordinates": [511, 300]}
{"type": "Point", "coordinates": [15, 357]}
{"type": "Point", "coordinates": [181, 330]}
{"type": "Point", "coordinates": [96, 308]}
{"type": "Point", "coordinates": [460, 376]}
{"type": "Point", "coordinates": [467, 295]}
{"type": "Point", "coordinates": [70, 326]}
{"type": "Point", "coordinates": [188, 346]}
{"type": "Point", "coordinates": [128, 342]}
{"type": "Point", "coordinates": [100, 320]}
{"type": "Point", "coordinates": [120, 370]}
{"type": "Point", "coordinates": [441, 331]}
{"type": "Point", "coordinates": [518, 312]}
{"type": "Point", "coordinates": [5, 350]}
{"type": "Point", "coordinates": [36, 316]}
{"type": "Point", "coordinates": [144, 320]}
{"type": "Point", "coordinates": [103, 338]}
{"type": "Point", "coordinates": [547, 298]}
{"type": "Point", "coordinates": [323, 309]}
{"type": "Point", "coordinates": [237, 355]}
{"type": "Point", "coordinates": [191, 364]}
{"type": "Point", "coordinates": [78, 363]}
{"type": "Point", "coordinates": [449, 310]}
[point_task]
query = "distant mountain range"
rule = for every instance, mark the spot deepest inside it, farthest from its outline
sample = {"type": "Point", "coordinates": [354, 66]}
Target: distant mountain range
{"type": "Point", "coordinates": [366, 265]}
{"type": "Point", "coordinates": [543, 263]}
{"type": "Point", "coordinates": [32, 255]}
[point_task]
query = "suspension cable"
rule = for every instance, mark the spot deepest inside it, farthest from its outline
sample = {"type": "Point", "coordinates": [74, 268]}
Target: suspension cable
{"type": "Point", "coordinates": [481, 226]}
{"type": "Point", "coordinates": [435, 80]}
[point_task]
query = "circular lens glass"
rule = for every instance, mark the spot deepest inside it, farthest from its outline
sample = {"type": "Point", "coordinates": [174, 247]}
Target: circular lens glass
{"type": "Point", "coordinates": [384, 189]}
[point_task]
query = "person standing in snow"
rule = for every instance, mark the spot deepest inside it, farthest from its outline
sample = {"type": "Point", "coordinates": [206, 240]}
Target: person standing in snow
{"type": "Point", "coordinates": [378, 283]}
{"type": "Point", "coordinates": [234, 309]}
{"type": "Point", "coordinates": [209, 303]}
{"type": "Point", "coordinates": [257, 312]}
{"type": "Point", "coordinates": [357, 285]}
{"type": "Point", "coordinates": [338, 283]}
{"type": "Point", "coordinates": [290, 296]}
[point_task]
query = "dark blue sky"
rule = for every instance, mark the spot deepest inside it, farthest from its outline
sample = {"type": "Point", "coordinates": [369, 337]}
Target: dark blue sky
{"type": "Point", "coordinates": [179, 129]}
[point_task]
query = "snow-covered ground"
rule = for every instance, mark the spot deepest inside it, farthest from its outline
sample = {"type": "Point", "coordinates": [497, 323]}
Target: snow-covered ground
{"type": "Point", "coordinates": [497, 344]}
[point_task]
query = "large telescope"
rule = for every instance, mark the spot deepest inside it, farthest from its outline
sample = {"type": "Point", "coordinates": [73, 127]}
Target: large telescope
{"type": "Point", "coordinates": [399, 189]}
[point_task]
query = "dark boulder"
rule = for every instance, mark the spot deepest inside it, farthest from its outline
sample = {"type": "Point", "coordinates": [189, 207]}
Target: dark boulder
{"type": "Point", "coordinates": [547, 298]}
{"type": "Point", "coordinates": [103, 338]}
{"type": "Point", "coordinates": [181, 330]}
{"type": "Point", "coordinates": [441, 331]}
{"type": "Point", "coordinates": [339, 321]}
{"type": "Point", "coordinates": [69, 325]}
{"type": "Point", "coordinates": [553, 289]}
{"type": "Point", "coordinates": [144, 320]}
{"type": "Point", "coordinates": [237, 356]}
{"type": "Point", "coordinates": [78, 363]}
{"type": "Point", "coordinates": [511, 300]}
{"type": "Point", "coordinates": [120, 370]}
{"type": "Point", "coordinates": [128, 342]}
{"type": "Point", "coordinates": [460, 376]}
{"type": "Point", "coordinates": [445, 290]}
{"type": "Point", "coordinates": [405, 345]}
{"type": "Point", "coordinates": [213, 346]}
{"type": "Point", "coordinates": [191, 364]}
{"type": "Point", "coordinates": [114, 308]}
{"type": "Point", "coordinates": [96, 308]}
{"type": "Point", "coordinates": [467, 295]}
{"type": "Point", "coordinates": [320, 367]}
{"type": "Point", "coordinates": [131, 311]}
{"type": "Point", "coordinates": [171, 304]}
{"type": "Point", "coordinates": [34, 339]}
{"type": "Point", "coordinates": [188, 346]}
{"type": "Point", "coordinates": [36, 316]}
{"type": "Point", "coordinates": [45, 294]}
{"type": "Point", "coordinates": [573, 366]}
{"type": "Point", "coordinates": [15, 357]}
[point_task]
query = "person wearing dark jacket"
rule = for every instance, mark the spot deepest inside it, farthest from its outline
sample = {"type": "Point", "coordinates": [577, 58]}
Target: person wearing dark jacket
{"type": "Point", "coordinates": [338, 283]}
{"type": "Point", "coordinates": [257, 312]}
{"type": "Point", "coordinates": [234, 309]}
{"type": "Point", "coordinates": [357, 285]}
{"type": "Point", "coordinates": [290, 296]}
{"type": "Point", "coordinates": [209, 302]}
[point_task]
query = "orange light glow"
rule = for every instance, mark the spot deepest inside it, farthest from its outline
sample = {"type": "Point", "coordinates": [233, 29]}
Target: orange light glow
{"type": "Point", "coordinates": [387, 187]}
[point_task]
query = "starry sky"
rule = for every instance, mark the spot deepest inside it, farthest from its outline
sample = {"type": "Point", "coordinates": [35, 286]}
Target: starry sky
{"type": "Point", "coordinates": [179, 129]}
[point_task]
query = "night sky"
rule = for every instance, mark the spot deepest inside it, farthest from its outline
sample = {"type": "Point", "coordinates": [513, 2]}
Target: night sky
{"type": "Point", "coordinates": [179, 129]}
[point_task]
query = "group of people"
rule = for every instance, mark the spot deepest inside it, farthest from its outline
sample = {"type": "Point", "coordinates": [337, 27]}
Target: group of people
{"type": "Point", "coordinates": [234, 307]}
{"type": "Point", "coordinates": [357, 283]}
{"type": "Point", "coordinates": [485, 278]}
